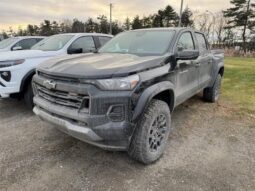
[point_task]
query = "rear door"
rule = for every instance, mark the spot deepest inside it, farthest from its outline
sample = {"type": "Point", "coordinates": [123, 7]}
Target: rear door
{"type": "Point", "coordinates": [187, 70]}
{"type": "Point", "coordinates": [204, 60]}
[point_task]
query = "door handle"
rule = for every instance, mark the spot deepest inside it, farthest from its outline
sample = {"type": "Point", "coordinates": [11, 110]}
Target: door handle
{"type": "Point", "coordinates": [198, 64]}
{"type": "Point", "coordinates": [184, 71]}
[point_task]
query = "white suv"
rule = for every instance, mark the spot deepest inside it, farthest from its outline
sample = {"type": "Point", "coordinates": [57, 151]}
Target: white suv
{"type": "Point", "coordinates": [19, 43]}
{"type": "Point", "coordinates": [17, 68]}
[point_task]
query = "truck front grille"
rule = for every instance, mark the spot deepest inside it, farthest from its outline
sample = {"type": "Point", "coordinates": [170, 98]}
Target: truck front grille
{"type": "Point", "coordinates": [68, 99]}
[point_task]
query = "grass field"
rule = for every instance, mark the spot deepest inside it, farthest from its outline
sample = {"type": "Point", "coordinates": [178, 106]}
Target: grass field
{"type": "Point", "coordinates": [239, 82]}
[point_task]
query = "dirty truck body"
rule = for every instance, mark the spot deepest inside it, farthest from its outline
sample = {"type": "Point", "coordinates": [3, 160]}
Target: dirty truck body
{"type": "Point", "coordinates": [122, 97]}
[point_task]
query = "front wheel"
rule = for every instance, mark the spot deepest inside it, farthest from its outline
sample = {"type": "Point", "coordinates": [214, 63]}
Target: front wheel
{"type": "Point", "coordinates": [28, 96]}
{"type": "Point", "coordinates": [151, 134]}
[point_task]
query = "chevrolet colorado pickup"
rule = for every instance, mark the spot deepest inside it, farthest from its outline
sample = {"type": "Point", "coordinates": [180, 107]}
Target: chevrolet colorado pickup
{"type": "Point", "coordinates": [17, 68]}
{"type": "Point", "coordinates": [122, 97]}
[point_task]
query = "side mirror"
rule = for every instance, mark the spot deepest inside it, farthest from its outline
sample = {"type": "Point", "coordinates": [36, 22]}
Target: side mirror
{"type": "Point", "coordinates": [187, 55]}
{"type": "Point", "coordinates": [179, 48]}
{"type": "Point", "coordinates": [17, 48]}
{"type": "Point", "coordinates": [74, 51]}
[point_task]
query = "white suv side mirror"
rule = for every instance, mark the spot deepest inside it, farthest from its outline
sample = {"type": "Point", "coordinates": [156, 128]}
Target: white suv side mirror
{"type": "Point", "coordinates": [17, 48]}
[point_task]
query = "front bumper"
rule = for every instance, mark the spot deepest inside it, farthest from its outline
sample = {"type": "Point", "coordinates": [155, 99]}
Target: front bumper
{"type": "Point", "coordinates": [87, 134]}
{"type": "Point", "coordinates": [95, 125]}
{"type": "Point", "coordinates": [12, 86]}
{"type": "Point", "coordinates": [103, 121]}
{"type": "Point", "coordinates": [5, 92]}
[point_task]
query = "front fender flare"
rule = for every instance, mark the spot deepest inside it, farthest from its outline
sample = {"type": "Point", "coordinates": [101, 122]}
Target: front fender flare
{"type": "Point", "coordinates": [147, 96]}
{"type": "Point", "coordinates": [25, 79]}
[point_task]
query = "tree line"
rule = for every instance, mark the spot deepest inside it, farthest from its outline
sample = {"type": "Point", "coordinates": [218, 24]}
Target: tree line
{"type": "Point", "coordinates": [228, 27]}
{"type": "Point", "coordinates": [163, 18]}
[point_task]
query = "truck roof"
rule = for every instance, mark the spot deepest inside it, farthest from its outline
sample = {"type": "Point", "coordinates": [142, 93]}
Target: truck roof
{"type": "Point", "coordinates": [82, 34]}
{"type": "Point", "coordinates": [168, 28]}
{"type": "Point", "coordinates": [26, 37]}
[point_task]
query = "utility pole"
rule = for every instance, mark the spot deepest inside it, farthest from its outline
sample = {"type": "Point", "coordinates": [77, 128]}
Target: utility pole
{"type": "Point", "coordinates": [110, 18]}
{"type": "Point", "coordinates": [180, 20]}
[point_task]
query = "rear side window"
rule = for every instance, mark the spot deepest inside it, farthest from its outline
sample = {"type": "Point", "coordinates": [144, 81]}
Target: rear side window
{"type": "Point", "coordinates": [201, 42]}
{"type": "Point", "coordinates": [85, 43]}
{"type": "Point", "coordinates": [39, 39]}
{"type": "Point", "coordinates": [26, 43]}
{"type": "Point", "coordinates": [103, 39]}
{"type": "Point", "coordinates": [186, 42]}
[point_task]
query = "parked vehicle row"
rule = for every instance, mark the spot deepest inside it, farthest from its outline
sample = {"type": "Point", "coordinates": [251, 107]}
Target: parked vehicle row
{"type": "Point", "coordinates": [121, 96]}
{"type": "Point", "coordinates": [18, 67]}
{"type": "Point", "coordinates": [19, 43]}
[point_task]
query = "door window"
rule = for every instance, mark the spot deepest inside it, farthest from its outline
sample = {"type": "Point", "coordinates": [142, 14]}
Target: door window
{"type": "Point", "coordinates": [85, 43]}
{"type": "Point", "coordinates": [26, 43]}
{"type": "Point", "coordinates": [103, 39]}
{"type": "Point", "coordinates": [38, 39]}
{"type": "Point", "coordinates": [202, 44]}
{"type": "Point", "coordinates": [186, 42]}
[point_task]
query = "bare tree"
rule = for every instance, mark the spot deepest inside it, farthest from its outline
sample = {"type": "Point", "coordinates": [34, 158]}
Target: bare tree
{"type": "Point", "coordinates": [220, 24]}
{"type": "Point", "coordinates": [66, 26]}
{"type": "Point", "coordinates": [204, 23]}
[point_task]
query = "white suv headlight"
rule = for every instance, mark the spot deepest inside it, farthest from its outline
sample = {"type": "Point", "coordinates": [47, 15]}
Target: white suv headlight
{"type": "Point", "coordinates": [127, 83]}
{"type": "Point", "coordinates": [9, 63]}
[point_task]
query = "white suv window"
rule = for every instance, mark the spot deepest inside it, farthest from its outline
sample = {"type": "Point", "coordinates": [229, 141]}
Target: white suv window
{"type": "Point", "coordinates": [26, 43]}
{"type": "Point", "coordinates": [103, 39]}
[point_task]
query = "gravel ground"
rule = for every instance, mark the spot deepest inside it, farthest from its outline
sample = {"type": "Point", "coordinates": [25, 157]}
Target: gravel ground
{"type": "Point", "coordinates": [211, 148]}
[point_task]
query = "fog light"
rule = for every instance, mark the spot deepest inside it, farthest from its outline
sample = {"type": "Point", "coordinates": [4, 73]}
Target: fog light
{"type": "Point", "coordinates": [116, 113]}
{"type": "Point", "coordinates": [6, 75]}
{"type": "Point", "coordinates": [1, 84]}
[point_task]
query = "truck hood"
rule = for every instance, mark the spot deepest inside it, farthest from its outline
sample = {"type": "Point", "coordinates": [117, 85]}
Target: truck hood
{"type": "Point", "coordinates": [26, 54]}
{"type": "Point", "coordinates": [100, 65]}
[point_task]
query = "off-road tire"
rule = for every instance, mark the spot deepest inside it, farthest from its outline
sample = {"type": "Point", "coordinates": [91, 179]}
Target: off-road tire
{"type": "Point", "coordinates": [212, 94]}
{"type": "Point", "coordinates": [141, 147]}
{"type": "Point", "coordinates": [28, 96]}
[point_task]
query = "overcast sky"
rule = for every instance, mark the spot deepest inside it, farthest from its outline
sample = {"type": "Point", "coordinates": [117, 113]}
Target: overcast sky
{"type": "Point", "coordinates": [22, 12]}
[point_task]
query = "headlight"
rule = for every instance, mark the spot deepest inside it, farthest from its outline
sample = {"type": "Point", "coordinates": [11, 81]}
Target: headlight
{"type": "Point", "coordinates": [9, 63]}
{"type": "Point", "coordinates": [127, 83]}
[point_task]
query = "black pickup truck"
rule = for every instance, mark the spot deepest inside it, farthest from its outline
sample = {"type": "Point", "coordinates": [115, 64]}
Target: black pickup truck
{"type": "Point", "coordinates": [122, 97]}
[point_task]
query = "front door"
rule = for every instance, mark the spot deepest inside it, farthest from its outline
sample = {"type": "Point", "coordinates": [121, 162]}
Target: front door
{"type": "Point", "coordinates": [187, 70]}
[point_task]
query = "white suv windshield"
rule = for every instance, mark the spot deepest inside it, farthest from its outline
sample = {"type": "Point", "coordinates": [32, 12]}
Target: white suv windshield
{"type": "Point", "coordinates": [52, 43]}
{"type": "Point", "coordinates": [7, 42]}
{"type": "Point", "coordinates": [141, 42]}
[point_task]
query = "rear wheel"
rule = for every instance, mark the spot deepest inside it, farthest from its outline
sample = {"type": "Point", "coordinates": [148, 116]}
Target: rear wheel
{"type": "Point", "coordinates": [28, 96]}
{"type": "Point", "coordinates": [212, 94]}
{"type": "Point", "coordinates": [151, 135]}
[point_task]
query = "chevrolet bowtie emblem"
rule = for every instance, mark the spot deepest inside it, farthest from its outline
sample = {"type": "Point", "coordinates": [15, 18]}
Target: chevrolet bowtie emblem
{"type": "Point", "coordinates": [49, 84]}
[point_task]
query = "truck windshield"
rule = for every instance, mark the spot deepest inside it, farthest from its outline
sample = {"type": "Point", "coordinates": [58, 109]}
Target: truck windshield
{"type": "Point", "coordinates": [7, 42]}
{"type": "Point", "coordinates": [142, 42]}
{"type": "Point", "coordinates": [52, 43]}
